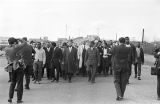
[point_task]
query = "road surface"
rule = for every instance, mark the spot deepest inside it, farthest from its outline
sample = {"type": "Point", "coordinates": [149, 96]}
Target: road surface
{"type": "Point", "coordinates": [82, 92]}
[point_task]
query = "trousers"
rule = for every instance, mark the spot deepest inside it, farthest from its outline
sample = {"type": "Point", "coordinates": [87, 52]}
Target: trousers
{"type": "Point", "coordinates": [17, 78]}
{"type": "Point", "coordinates": [139, 68]}
{"type": "Point", "coordinates": [37, 67]}
{"type": "Point", "coordinates": [120, 82]}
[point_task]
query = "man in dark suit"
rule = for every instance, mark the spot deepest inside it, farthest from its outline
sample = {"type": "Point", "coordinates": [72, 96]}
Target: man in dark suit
{"type": "Point", "coordinates": [92, 60]}
{"type": "Point", "coordinates": [100, 49]}
{"type": "Point", "coordinates": [48, 51]}
{"type": "Point", "coordinates": [26, 55]}
{"type": "Point", "coordinates": [121, 55]}
{"type": "Point", "coordinates": [133, 54]}
{"type": "Point", "coordinates": [55, 62]}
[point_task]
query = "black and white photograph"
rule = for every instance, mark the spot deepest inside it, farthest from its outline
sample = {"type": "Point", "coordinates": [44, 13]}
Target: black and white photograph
{"type": "Point", "coordinates": [79, 52]}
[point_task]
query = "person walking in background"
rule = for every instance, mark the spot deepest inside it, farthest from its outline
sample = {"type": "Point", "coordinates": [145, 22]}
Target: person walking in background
{"type": "Point", "coordinates": [133, 54]}
{"type": "Point", "coordinates": [33, 44]}
{"type": "Point", "coordinates": [105, 59]}
{"type": "Point", "coordinates": [81, 55]}
{"type": "Point", "coordinates": [139, 60]}
{"type": "Point", "coordinates": [64, 65]}
{"type": "Point", "coordinates": [100, 50]}
{"type": "Point", "coordinates": [48, 52]}
{"type": "Point", "coordinates": [121, 55]}
{"type": "Point", "coordinates": [92, 61]}
{"type": "Point", "coordinates": [39, 62]}
{"type": "Point", "coordinates": [56, 58]}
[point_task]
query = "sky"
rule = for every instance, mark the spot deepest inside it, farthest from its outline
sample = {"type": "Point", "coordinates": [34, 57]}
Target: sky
{"type": "Point", "coordinates": [64, 18]}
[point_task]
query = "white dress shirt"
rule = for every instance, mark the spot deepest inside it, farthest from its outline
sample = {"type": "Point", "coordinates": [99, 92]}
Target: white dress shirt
{"type": "Point", "coordinates": [40, 55]}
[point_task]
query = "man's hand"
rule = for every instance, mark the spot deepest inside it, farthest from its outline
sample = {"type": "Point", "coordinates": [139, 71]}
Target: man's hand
{"type": "Point", "coordinates": [98, 64]}
{"type": "Point", "coordinates": [43, 65]}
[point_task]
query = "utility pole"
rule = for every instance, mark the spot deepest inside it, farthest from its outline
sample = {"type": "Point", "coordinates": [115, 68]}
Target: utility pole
{"type": "Point", "coordinates": [143, 35]}
{"type": "Point", "coordinates": [116, 36]}
{"type": "Point", "coordinates": [66, 31]}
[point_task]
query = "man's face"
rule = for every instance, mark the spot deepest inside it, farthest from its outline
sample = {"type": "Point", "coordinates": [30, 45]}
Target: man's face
{"type": "Point", "coordinates": [48, 45]}
{"type": "Point", "coordinates": [126, 41]}
{"type": "Point", "coordinates": [70, 44]}
{"type": "Point", "coordinates": [138, 44]}
{"type": "Point", "coordinates": [38, 45]}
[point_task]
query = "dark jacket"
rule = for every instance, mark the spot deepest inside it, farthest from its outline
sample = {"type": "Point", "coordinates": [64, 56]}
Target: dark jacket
{"type": "Point", "coordinates": [12, 56]}
{"type": "Point", "coordinates": [92, 57]}
{"type": "Point", "coordinates": [133, 54]}
{"type": "Point", "coordinates": [48, 56]}
{"type": "Point", "coordinates": [122, 55]}
{"type": "Point", "coordinates": [141, 58]}
{"type": "Point", "coordinates": [56, 56]}
{"type": "Point", "coordinates": [26, 54]}
{"type": "Point", "coordinates": [70, 60]}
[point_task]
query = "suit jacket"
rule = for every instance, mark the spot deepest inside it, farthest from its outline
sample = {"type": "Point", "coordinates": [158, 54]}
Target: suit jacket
{"type": "Point", "coordinates": [48, 56]}
{"type": "Point", "coordinates": [56, 56]}
{"type": "Point", "coordinates": [26, 54]}
{"type": "Point", "coordinates": [133, 54]}
{"type": "Point", "coordinates": [70, 59]}
{"type": "Point", "coordinates": [92, 57]}
{"type": "Point", "coordinates": [12, 56]}
{"type": "Point", "coordinates": [122, 55]}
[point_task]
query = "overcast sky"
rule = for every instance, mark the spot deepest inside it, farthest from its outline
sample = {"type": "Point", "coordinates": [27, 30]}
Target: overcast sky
{"type": "Point", "coordinates": [36, 18]}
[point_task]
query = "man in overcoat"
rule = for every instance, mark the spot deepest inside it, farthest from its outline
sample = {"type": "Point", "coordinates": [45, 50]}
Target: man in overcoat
{"type": "Point", "coordinates": [70, 60]}
{"type": "Point", "coordinates": [56, 62]}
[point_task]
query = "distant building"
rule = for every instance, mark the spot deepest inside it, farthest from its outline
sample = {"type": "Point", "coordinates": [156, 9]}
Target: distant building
{"type": "Point", "coordinates": [92, 37]}
{"type": "Point", "coordinates": [4, 40]}
{"type": "Point", "coordinates": [45, 37]}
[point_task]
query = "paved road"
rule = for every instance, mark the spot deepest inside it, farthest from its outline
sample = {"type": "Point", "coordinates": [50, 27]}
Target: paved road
{"type": "Point", "coordinates": [82, 92]}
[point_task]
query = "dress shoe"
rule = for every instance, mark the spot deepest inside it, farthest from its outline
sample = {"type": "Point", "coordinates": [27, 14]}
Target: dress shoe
{"type": "Point", "coordinates": [27, 88]}
{"type": "Point", "coordinates": [9, 81]}
{"type": "Point", "coordinates": [10, 100]}
{"type": "Point", "coordinates": [35, 82]}
{"type": "Point", "coordinates": [52, 81]}
{"type": "Point", "coordinates": [19, 101]}
{"type": "Point", "coordinates": [119, 98]}
{"type": "Point", "coordinates": [135, 76]}
{"type": "Point", "coordinates": [158, 98]}
{"type": "Point", "coordinates": [15, 89]}
{"type": "Point", "coordinates": [139, 78]}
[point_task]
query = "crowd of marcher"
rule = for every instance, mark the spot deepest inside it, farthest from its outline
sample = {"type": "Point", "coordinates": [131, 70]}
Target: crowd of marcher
{"type": "Point", "coordinates": [67, 60]}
